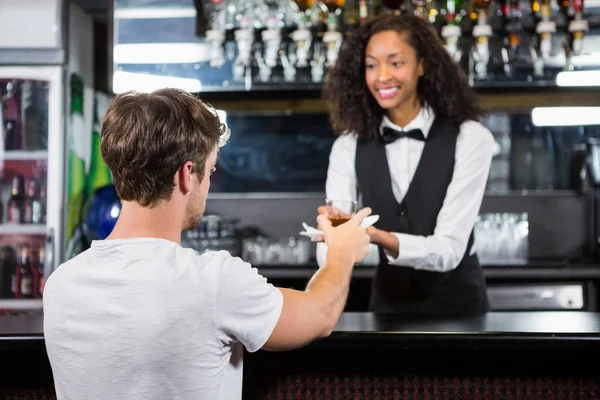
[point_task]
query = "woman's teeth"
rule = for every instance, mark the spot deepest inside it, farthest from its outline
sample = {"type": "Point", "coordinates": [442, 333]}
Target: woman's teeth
{"type": "Point", "coordinates": [387, 93]}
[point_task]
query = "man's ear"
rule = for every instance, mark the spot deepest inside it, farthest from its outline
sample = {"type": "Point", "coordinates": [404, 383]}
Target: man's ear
{"type": "Point", "coordinates": [184, 177]}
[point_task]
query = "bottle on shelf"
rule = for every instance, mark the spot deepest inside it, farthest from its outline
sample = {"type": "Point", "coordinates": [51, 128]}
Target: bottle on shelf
{"type": "Point", "coordinates": [15, 207]}
{"type": "Point", "coordinates": [36, 270]}
{"type": "Point", "coordinates": [26, 274]}
{"type": "Point", "coordinates": [8, 265]}
{"type": "Point", "coordinates": [39, 267]}
{"type": "Point", "coordinates": [33, 207]}
{"type": "Point", "coordinates": [11, 110]}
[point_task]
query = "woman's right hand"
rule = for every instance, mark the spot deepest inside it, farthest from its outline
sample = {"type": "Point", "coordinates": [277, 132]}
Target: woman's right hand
{"type": "Point", "coordinates": [347, 238]}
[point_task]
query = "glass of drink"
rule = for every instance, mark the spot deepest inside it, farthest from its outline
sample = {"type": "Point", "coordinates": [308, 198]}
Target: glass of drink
{"type": "Point", "coordinates": [340, 211]}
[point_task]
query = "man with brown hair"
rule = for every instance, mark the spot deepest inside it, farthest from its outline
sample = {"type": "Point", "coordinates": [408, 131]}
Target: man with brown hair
{"type": "Point", "coordinates": [139, 317]}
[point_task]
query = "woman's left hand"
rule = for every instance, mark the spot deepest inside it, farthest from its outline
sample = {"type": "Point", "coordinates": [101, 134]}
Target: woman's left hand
{"type": "Point", "coordinates": [384, 239]}
{"type": "Point", "coordinates": [373, 234]}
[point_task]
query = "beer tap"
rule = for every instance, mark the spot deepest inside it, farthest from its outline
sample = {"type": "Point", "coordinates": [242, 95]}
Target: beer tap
{"type": "Point", "coordinates": [289, 70]}
{"type": "Point", "coordinates": [317, 70]}
{"type": "Point", "coordinates": [510, 50]}
{"type": "Point", "coordinates": [513, 16]}
{"type": "Point", "coordinates": [216, 35]}
{"type": "Point", "coordinates": [451, 31]}
{"type": "Point", "coordinates": [545, 28]}
{"type": "Point", "coordinates": [271, 37]}
{"type": "Point", "coordinates": [537, 61]}
{"type": "Point", "coordinates": [577, 27]}
{"type": "Point", "coordinates": [482, 31]}
{"type": "Point", "coordinates": [302, 36]}
{"type": "Point", "coordinates": [264, 70]}
{"type": "Point", "coordinates": [244, 37]}
{"type": "Point", "coordinates": [333, 37]}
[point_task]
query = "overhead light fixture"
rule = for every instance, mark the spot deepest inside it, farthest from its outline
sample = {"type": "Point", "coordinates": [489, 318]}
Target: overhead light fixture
{"type": "Point", "coordinates": [578, 78]}
{"type": "Point", "coordinates": [124, 81]}
{"type": "Point", "coordinates": [161, 53]}
{"type": "Point", "coordinates": [565, 116]}
{"type": "Point", "coordinates": [154, 12]}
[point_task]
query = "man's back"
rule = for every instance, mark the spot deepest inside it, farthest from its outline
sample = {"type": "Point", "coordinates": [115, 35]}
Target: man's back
{"type": "Point", "coordinates": [147, 319]}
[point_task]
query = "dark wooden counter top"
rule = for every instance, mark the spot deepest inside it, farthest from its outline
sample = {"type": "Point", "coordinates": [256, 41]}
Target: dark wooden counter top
{"type": "Point", "coordinates": [494, 329]}
{"type": "Point", "coordinates": [368, 354]}
{"type": "Point", "coordinates": [550, 270]}
{"type": "Point", "coordinates": [21, 333]}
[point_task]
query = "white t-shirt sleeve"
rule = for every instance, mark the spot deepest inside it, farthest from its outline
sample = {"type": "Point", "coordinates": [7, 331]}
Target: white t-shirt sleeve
{"type": "Point", "coordinates": [248, 307]}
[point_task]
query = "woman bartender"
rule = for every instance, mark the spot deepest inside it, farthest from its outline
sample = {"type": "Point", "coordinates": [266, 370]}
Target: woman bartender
{"type": "Point", "coordinates": [411, 148]}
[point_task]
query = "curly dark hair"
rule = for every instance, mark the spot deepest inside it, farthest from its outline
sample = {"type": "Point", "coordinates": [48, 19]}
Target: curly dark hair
{"type": "Point", "coordinates": [444, 86]}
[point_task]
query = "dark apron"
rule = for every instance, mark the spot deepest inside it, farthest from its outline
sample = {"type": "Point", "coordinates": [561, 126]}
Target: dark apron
{"type": "Point", "coordinates": [462, 291]}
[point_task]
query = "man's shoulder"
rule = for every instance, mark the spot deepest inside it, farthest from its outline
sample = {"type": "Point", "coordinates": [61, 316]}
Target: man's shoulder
{"type": "Point", "coordinates": [62, 271]}
{"type": "Point", "coordinates": [79, 259]}
{"type": "Point", "coordinates": [221, 262]}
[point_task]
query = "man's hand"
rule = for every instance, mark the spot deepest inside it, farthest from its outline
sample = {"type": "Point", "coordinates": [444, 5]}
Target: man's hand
{"type": "Point", "coordinates": [332, 212]}
{"type": "Point", "coordinates": [348, 238]}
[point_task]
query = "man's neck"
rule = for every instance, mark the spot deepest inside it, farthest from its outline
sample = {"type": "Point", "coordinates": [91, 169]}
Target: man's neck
{"type": "Point", "coordinates": [136, 221]}
{"type": "Point", "coordinates": [404, 113]}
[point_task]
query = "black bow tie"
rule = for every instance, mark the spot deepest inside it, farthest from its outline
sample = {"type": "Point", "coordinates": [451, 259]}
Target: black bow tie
{"type": "Point", "coordinates": [390, 135]}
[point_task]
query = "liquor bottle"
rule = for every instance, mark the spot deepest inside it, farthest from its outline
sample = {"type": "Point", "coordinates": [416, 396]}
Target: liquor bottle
{"type": "Point", "coordinates": [535, 7]}
{"type": "Point", "coordinates": [577, 26]}
{"type": "Point", "coordinates": [304, 5]}
{"type": "Point", "coordinates": [43, 202]}
{"type": "Point", "coordinates": [15, 286]}
{"type": "Point", "coordinates": [481, 8]}
{"type": "Point", "coordinates": [351, 14]}
{"type": "Point", "coordinates": [34, 209]}
{"type": "Point", "coordinates": [453, 16]}
{"type": "Point", "coordinates": [41, 278]}
{"type": "Point", "coordinates": [578, 9]}
{"type": "Point", "coordinates": [512, 12]}
{"type": "Point", "coordinates": [563, 7]}
{"type": "Point", "coordinates": [26, 274]}
{"type": "Point", "coordinates": [37, 272]}
{"type": "Point", "coordinates": [15, 207]}
{"type": "Point", "coordinates": [333, 5]}
{"type": "Point", "coordinates": [12, 117]}
{"type": "Point", "coordinates": [8, 265]}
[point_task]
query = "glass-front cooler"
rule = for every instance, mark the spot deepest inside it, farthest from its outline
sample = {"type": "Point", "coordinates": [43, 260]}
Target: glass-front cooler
{"type": "Point", "coordinates": [31, 181]}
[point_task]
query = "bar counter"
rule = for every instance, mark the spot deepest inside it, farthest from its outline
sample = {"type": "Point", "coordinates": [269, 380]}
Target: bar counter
{"type": "Point", "coordinates": [499, 355]}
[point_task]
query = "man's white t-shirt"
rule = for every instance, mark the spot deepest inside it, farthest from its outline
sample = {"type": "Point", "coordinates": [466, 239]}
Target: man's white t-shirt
{"type": "Point", "coordinates": [147, 319]}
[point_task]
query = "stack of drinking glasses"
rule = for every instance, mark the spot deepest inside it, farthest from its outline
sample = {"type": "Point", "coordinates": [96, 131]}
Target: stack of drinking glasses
{"type": "Point", "coordinates": [502, 238]}
{"type": "Point", "coordinates": [263, 251]}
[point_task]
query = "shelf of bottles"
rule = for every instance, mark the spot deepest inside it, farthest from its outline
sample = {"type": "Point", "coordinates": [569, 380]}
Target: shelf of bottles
{"type": "Point", "coordinates": [266, 44]}
{"type": "Point", "coordinates": [23, 177]}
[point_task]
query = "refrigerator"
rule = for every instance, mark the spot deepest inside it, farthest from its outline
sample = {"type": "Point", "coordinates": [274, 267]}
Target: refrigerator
{"type": "Point", "coordinates": [42, 118]}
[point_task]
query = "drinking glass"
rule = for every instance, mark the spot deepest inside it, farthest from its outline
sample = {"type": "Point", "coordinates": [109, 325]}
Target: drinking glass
{"type": "Point", "coordinates": [345, 209]}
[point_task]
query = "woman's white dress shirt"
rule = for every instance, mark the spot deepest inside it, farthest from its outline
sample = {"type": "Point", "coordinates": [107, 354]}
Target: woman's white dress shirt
{"type": "Point", "coordinates": [443, 250]}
